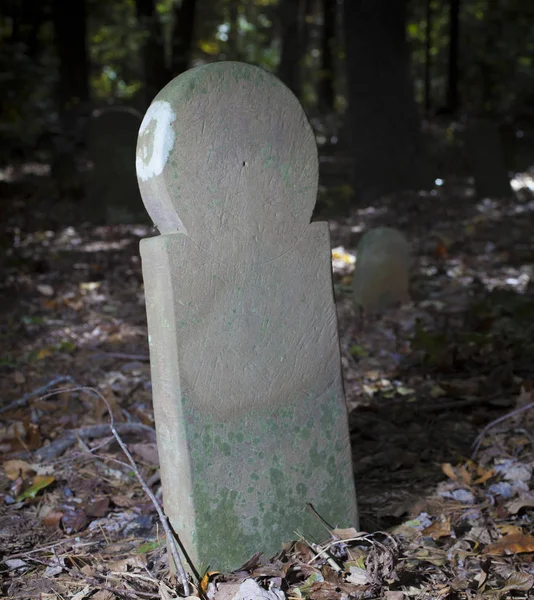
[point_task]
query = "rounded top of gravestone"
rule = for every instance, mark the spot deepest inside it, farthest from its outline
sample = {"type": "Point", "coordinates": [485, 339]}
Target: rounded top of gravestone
{"type": "Point", "coordinates": [226, 155]}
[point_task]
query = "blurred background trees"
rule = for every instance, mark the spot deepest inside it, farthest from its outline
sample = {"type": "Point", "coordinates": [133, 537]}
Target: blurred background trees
{"type": "Point", "coordinates": [389, 86]}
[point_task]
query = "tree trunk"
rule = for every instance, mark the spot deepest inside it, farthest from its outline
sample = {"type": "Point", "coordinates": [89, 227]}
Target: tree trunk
{"type": "Point", "coordinates": [290, 56]}
{"type": "Point", "coordinates": [383, 120]}
{"type": "Point", "coordinates": [183, 36]}
{"type": "Point", "coordinates": [233, 33]}
{"type": "Point", "coordinates": [452, 78]}
{"type": "Point", "coordinates": [70, 33]}
{"type": "Point", "coordinates": [428, 57]}
{"type": "Point", "coordinates": [327, 95]}
{"type": "Point", "coordinates": [26, 16]}
{"type": "Point", "coordinates": [153, 50]}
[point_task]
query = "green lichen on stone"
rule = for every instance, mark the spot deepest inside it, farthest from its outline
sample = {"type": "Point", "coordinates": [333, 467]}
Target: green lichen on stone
{"type": "Point", "coordinates": [273, 487]}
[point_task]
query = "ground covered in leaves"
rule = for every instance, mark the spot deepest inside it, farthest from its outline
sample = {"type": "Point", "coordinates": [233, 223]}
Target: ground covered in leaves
{"type": "Point", "coordinates": [422, 382]}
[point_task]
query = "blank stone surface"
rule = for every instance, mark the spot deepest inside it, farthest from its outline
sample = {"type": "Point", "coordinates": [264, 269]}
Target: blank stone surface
{"type": "Point", "coordinates": [248, 395]}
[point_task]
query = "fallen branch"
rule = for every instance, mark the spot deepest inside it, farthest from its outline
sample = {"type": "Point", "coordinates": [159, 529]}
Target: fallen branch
{"type": "Point", "coordinates": [37, 392]}
{"type": "Point", "coordinates": [124, 356]}
{"type": "Point", "coordinates": [162, 516]}
{"type": "Point", "coordinates": [69, 438]}
{"type": "Point", "coordinates": [489, 426]}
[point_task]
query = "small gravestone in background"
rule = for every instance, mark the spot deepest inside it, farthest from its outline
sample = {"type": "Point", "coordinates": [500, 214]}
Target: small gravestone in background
{"type": "Point", "coordinates": [485, 149]}
{"type": "Point", "coordinates": [113, 193]}
{"type": "Point", "coordinates": [248, 396]}
{"type": "Point", "coordinates": [382, 272]}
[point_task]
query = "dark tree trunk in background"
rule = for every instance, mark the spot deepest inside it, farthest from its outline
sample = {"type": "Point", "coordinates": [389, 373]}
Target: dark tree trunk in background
{"type": "Point", "coordinates": [70, 35]}
{"type": "Point", "coordinates": [27, 16]}
{"type": "Point", "coordinates": [327, 95]}
{"type": "Point", "coordinates": [153, 50]}
{"type": "Point", "coordinates": [183, 35]}
{"type": "Point", "coordinates": [428, 57]}
{"type": "Point", "coordinates": [233, 33]}
{"type": "Point", "coordinates": [383, 120]}
{"type": "Point", "coordinates": [289, 15]}
{"type": "Point", "coordinates": [452, 76]}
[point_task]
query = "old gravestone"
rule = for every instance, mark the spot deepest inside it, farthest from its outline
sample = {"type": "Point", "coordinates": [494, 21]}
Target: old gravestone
{"type": "Point", "coordinates": [112, 191]}
{"type": "Point", "coordinates": [248, 395]}
{"type": "Point", "coordinates": [382, 272]}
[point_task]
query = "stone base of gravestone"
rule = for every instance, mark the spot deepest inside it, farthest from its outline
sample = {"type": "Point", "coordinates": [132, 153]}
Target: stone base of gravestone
{"type": "Point", "coordinates": [248, 395]}
{"type": "Point", "coordinates": [382, 271]}
{"type": "Point", "coordinates": [112, 192]}
{"type": "Point", "coordinates": [485, 149]}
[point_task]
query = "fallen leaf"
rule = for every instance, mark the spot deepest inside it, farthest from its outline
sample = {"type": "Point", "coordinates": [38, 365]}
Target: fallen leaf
{"type": "Point", "coordinates": [97, 507]}
{"type": "Point", "coordinates": [19, 377]}
{"type": "Point", "coordinates": [104, 595]}
{"type": "Point", "coordinates": [347, 534]}
{"type": "Point", "coordinates": [438, 530]}
{"type": "Point", "coordinates": [149, 546]}
{"type": "Point", "coordinates": [226, 591]}
{"type": "Point", "coordinates": [251, 589]}
{"type": "Point", "coordinates": [45, 289]}
{"type": "Point", "coordinates": [147, 451]}
{"type": "Point", "coordinates": [17, 468]}
{"type": "Point", "coordinates": [448, 470]}
{"type": "Point", "coordinates": [40, 482]}
{"type": "Point", "coordinates": [519, 582]}
{"type": "Point", "coordinates": [52, 518]}
{"type": "Point", "coordinates": [15, 563]}
{"type": "Point", "coordinates": [126, 564]}
{"type": "Point", "coordinates": [509, 529]}
{"type": "Point", "coordinates": [82, 593]}
{"type": "Point", "coordinates": [74, 519]}
{"type": "Point", "coordinates": [358, 576]}
{"type": "Point", "coordinates": [515, 543]}
{"type": "Point", "coordinates": [44, 353]}
{"type": "Point", "coordinates": [516, 505]}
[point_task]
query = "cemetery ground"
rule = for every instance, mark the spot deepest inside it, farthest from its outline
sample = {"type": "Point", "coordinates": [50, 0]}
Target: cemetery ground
{"type": "Point", "coordinates": [422, 382]}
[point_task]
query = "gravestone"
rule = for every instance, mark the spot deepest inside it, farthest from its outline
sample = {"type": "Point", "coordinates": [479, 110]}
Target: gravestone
{"type": "Point", "coordinates": [248, 395]}
{"type": "Point", "coordinates": [485, 149]}
{"type": "Point", "coordinates": [382, 271]}
{"type": "Point", "coordinates": [113, 193]}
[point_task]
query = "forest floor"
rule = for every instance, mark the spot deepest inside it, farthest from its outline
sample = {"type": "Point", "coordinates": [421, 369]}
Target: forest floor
{"type": "Point", "coordinates": [422, 382]}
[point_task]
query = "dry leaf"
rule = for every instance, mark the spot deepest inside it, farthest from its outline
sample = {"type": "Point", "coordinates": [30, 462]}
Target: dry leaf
{"type": "Point", "coordinates": [437, 530]}
{"type": "Point", "coordinates": [17, 468]}
{"type": "Point", "coordinates": [52, 518]}
{"type": "Point", "coordinates": [516, 505]}
{"type": "Point", "coordinates": [515, 543]}
{"type": "Point", "coordinates": [19, 377]}
{"type": "Point", "coordinates": [448, 470]}
{"type": "Point", "coordinates": [347, 534]}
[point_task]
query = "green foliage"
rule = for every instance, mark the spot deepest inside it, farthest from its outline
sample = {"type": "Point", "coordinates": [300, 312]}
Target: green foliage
{"type": "Point", "coordinates": [115, 39]}
{"type": "Point", "coordinates": [496, 50]}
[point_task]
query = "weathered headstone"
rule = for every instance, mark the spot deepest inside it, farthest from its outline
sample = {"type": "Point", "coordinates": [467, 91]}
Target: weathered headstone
{"type": "Point", "coordinates": [485, 149]}
{"type": "Point", "coordinates": [382, 272]}
{"type": "Point", "coordinates": [113, 194]}
{"type": "Point", "coordinates": [248, 395]}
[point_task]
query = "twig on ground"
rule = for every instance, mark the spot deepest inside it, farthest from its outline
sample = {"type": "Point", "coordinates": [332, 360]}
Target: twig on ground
{"type": "Point", "coordinates": [124, 356]}
{"type": "Point", "coordinates": [57, 447]}
{"type": "Point", "coordinates": [513, 413]}
{"type": "Point", "coordinates": [162, 516]}
{"type": "Point", "coordinates": [37, 392]}
{"type": "Point", "coordinates": [448, 404]}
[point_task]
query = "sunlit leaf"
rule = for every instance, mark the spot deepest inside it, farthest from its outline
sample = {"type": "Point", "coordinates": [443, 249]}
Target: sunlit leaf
{"type": "Point", "coordinates": [514, 543]}
{"type": "Point", "coordinates": [358, 351]}
{"type": "Point", "coordinates": [39, 483]}
{"type": "Point", "coordinates": [149, 546]}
